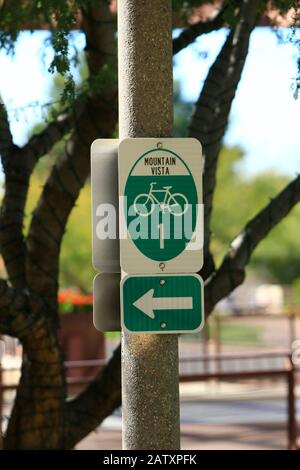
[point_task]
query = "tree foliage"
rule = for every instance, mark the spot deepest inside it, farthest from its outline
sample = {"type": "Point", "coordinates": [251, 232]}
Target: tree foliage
{"type": "Point", "coordinates": [277, 259]}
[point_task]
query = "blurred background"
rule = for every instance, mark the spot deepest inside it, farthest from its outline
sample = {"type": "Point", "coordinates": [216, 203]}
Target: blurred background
{"type": "Point", "coordinates": [239, 384]}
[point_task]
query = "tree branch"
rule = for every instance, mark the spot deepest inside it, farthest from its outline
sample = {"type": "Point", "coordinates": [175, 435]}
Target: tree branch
{"type": "Point", "coordinates": [98, 25]}
{"type": "Point", "coordinates": [71, 169]}
{"type": "Point", "coordinates": [6, 140]}
{"type": "Point", "coordinates": [7, 297]}
{"type": "Point", "coordinates": [213, 106]}
{"type": "Point", "coordinates": [40, 144]}
{"type": "Point", "coordinates": [189, 34]}
{"type": "Point", "coordinates": [84, 413]}
{"type": "Point", "coordinates": [12, 302]}
{"type": "Point", "coordinates": [18, 165]}
{"type": "Point", "coordinates": [231, 273]}
{"type": "Point", "coordinates": [13, 202]}
{"type": "Point", "coordinates": [17, 172]}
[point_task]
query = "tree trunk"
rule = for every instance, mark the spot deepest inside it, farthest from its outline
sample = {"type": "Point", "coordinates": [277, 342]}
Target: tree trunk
{"type": "Point", "coordinates": [36, 421]}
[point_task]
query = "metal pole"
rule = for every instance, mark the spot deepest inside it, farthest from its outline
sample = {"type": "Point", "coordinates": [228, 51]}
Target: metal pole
{"type": "Point", "coordinates": [292, 325]}
{"type": "Point", "coordinates": [205, 338]}
{"type": "Point", "coordinates": [292, 414]}
{"type": "Point", "coordinates": [150, 390]}
{"type": "Point", "coordinates": [217, 333]}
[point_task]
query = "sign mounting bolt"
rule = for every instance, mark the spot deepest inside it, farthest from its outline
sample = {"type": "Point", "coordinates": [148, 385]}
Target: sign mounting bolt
{"type": "Point", "coordinates": [159, 145]}
{"type": "Point", "coordinates": [162, 282]}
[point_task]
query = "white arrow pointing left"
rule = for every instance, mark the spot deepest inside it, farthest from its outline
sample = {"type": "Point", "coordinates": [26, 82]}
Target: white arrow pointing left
{"type": "Point", "coordinates": [147, 303]}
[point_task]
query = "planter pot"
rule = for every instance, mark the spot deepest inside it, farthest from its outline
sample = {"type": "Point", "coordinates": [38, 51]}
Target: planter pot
{"type": "Point", "coordinates": [81, 341]}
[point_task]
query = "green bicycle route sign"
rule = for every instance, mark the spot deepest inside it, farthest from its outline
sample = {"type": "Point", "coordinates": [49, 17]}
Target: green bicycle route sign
{"type": "Point", "coordinates": [160, 184]}
{"type": "Point", "coordinates": [162, 303]}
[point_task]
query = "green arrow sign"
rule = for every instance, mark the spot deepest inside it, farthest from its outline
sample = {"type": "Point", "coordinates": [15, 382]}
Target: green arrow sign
{"type": "Point", "coordinates": [162, 304]}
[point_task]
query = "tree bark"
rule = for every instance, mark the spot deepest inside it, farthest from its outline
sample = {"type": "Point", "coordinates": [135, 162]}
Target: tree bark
{"type": "Point", "coordinates": [36, 421]}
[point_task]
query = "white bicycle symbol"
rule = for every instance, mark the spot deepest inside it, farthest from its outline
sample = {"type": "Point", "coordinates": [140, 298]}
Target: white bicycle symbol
{"type": "Point", "coordinates": [176, 204]}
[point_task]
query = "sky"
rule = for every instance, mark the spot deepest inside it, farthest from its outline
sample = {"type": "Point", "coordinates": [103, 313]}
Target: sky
{"type": "Point", "coordinates": [265, 116]}
{"type": "Point", "coordinates": [25, 83]}
{"type": "Point", "coordinates": [264, 119]}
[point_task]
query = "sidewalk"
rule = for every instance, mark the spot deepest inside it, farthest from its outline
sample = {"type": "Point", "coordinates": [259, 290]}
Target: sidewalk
{"type": "Point", "coordinates": [204, 437]}
{"type": "Point", "coordinates": [217, 390]}
{"type": "Point", "coordinates": [218, 416]}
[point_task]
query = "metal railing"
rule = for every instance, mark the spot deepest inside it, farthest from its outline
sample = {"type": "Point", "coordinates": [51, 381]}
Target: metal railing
{"type": "Point", "coordinates": [216, 372]}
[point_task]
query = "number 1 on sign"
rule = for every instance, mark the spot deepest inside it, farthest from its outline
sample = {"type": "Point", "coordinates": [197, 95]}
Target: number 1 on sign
{"type": "Point", "coordinates": [161, 236]}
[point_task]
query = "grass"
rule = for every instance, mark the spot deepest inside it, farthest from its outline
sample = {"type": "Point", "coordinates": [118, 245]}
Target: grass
{"type": "Point", "coordinates": [241, 334]}
{"type": "Point", "coordinates": [230, 334]}
{"type": "Point", "coordinates": [112, 335]}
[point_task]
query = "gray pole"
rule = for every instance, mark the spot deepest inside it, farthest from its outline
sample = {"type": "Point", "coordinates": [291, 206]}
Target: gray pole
{"type": "Point", "coordinates": [150, 392]}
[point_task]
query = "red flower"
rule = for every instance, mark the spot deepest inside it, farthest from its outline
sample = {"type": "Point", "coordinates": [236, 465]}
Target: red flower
{"type": "Point", "coordinates": [72, 299]}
